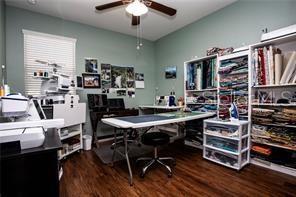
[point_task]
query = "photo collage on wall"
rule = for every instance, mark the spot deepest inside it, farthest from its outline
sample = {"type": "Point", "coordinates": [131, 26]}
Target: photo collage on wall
{"type": "Point", "coordinates": [122, 81]}
{"type": "Point", "coordinates": [119, 80]}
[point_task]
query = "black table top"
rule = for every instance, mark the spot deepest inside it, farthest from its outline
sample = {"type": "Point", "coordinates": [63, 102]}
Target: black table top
{"type": "Point", "coordinates": [52, 142]}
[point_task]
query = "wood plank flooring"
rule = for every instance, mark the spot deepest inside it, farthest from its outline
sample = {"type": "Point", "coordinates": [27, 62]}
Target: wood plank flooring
{"type": "Point", "coordinates": [86, 175]}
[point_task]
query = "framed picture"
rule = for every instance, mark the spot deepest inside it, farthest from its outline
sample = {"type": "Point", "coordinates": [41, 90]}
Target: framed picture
{"type": "Point", "coordinates": [171, 72]}
{"type": "Point", "coordinates": [91, 80]}
{"type": "Point", "coordinates": [91, 65]}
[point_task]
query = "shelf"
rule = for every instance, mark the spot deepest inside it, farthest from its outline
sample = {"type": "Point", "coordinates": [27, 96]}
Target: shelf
{"type": "Point", "coordinates": [70, 134]}
{"type": "Point", "coordinates": [201, 59]}
{"type": "Point", "coordinates": [275, 145]}
{"type": "Point", "coordinates": [277, 125]}
{"type": "Point", "coordinates": [273, 166]}
{"type": "Point", "coordinates": [222, 136]}
{"type": "Point", "coordinates": [192, 144]}
{"type": "Point", "coordinates": [275, 41]}
{"type": "Point", "coordinates": [274, 104]}
{"type": "Point", "coordinates": [202, 90]}
{"type": "Point", "coordinates": [42, 78]}
{"type": "Point", "coordinates": [201, 103]}
{"type": "Point", "coordinates": [69, 153]}
{"type": "Point", "coordinates": [227, 122]}
{"type": "Point", "coordinates": [260, 136]}
{"type": "Point", "coordinates": [238, 73]}
{"type": "Point", "coordinates": [222, 150]}
{"type": "Point", "coordinates": [275, 86]}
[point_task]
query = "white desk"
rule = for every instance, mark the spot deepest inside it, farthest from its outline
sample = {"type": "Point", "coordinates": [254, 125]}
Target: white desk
{"type": "Point", "coordinates": [148, 121]}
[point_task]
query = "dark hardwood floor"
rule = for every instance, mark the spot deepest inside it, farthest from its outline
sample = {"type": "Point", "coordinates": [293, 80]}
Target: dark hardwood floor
{"type": "Point", "coordinates": [86, 175]}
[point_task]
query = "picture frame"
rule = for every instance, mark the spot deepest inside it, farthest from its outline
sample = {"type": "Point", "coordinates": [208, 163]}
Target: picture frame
{"type": "Point", "coordinates": [91, 80]}
{"type": "Point", "coordinates": [171, 72]}
{"type": "Point", "coordinates": [91, 65]}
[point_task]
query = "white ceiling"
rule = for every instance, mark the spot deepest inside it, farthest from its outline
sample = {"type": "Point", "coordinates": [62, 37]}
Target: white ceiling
{"type": "Point", "coordinates": [154, 24]}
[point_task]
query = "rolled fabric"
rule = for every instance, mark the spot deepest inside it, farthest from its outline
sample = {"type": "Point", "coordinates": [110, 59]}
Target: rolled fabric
{"type": "Point", "coordinates": [278, 59]}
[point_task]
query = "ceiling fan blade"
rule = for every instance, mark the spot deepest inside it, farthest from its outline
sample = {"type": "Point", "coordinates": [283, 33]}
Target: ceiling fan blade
{"type": "Point", "coordinates": [135, 20]}
{"type": "Point", "coordinates": [161, 8]}
{"type": "Point", "coordinates": [110, 5]}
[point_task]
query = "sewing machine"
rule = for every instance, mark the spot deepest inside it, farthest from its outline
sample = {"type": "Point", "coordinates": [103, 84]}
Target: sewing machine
{"type": "Point", "coordinates": [27, 122]}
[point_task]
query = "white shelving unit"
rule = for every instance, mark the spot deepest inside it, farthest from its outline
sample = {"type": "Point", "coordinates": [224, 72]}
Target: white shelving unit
{"type": "Point", "coordinates": [191, 94]}
{"type": "Point", "coordinates": [286, 44]}
{"type": "Point", "coordinates": [194, 139]}
{"type": "Point", "coordinates": [74, 131]}
{"type": "Point", "coordinates": [233, 96]}
{"type": "Point", "coordinates": [227, 143]}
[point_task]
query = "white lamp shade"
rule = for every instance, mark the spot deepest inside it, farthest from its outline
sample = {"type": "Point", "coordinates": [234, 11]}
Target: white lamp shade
{"type": "Point", "coordinates": [137, 8]}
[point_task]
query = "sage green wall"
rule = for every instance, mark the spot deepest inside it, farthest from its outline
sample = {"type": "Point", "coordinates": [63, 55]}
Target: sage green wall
{"type": "Point", "coordinates": [2, 36]}
{"type": "Point", "coordinates": [107, 46]}
{"type": "Point", "coordinates": [238, 24]}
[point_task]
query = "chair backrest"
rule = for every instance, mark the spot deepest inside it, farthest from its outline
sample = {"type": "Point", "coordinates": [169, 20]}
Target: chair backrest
{"type": "Point", "coordinates": [116, 104]}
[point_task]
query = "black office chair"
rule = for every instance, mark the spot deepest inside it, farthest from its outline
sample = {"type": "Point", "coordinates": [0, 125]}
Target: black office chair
{"type": "Point", "coordinates": [155, 139]}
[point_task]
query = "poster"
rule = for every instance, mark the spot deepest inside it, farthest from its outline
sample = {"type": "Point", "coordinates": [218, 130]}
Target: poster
{"type": "Point", "coordinates": [130, 77]}
{"type": "Point", "coordinates": [171, 72]}
{"type": "Point", "coordinates": [118, 77]}
{"type": "Point", "coordinates": [91, 80]}
{"type": "Point", "coordinates": [139, 80]}
{"type": "Point", "coordinates": [106, 78]}
{"type": "Point", "coordinates": [91, 65]}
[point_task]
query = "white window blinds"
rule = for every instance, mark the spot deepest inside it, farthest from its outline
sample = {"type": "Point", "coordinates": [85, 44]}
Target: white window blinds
{"type": "Point", "coordinates": [47, 48]}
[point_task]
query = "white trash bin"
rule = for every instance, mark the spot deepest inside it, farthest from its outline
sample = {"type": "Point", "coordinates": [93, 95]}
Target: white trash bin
{"type": "Point", "coordinates": [87, 142]}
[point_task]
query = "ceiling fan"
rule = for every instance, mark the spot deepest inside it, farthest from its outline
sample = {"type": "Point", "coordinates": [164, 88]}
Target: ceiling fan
{"type": "Point", "coordinates": [138, 7]}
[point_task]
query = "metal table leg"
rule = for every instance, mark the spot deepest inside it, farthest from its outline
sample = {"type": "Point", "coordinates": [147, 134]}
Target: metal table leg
{"type": "Point", "coordinates": [115, 146]}
{"type": "Point", "coordinates": [127, 157]}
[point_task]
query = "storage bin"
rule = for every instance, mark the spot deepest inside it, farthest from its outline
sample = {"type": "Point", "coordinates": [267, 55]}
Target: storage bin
{"type": "Point", "coordinates": [87, 142]}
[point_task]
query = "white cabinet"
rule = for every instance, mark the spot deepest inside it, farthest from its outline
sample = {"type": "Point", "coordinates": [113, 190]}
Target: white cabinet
{"type": "Point", "coordinates": [71, 138]}
{"type": "Point", "coordinates": [273, 105]}
{"type": "Point", "coordinates": [227, 143]}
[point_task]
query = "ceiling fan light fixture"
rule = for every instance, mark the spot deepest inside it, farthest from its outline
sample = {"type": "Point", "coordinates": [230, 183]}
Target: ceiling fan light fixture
{"type": "Point", "coordinates": [137, 8]}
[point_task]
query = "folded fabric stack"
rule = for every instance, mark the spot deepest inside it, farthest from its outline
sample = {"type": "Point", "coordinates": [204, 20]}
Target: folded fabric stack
{"type": "Point", "coordinates": [283, 117]}
{"type": "Point", "coordinates": [220, 51]}
{"type": "Point", "coordinates": [262, 112]}
{"type": "Point", "coordinates": [224, 130]}
{"type": "Point", "coordinates": [233, 86]}
{"type": "Point", "coordinates": [261, 115]}
{"type": "Point", "coordinates": [207, 108]}
{"type": "Point", "coordinates": [225, 144]}
{"type": "Point", "coordinates": [224, 111]}
{"type": "Point", "coordinates": [283, 136]}
{"type": "Point", "coordinates": [234, 66]}
{"type": "Point", "coordinates": [271, 134]}
{"type": "Point", "coordinates": [259, 130]}
{"type": "Point", "coordinates": [261, 150]}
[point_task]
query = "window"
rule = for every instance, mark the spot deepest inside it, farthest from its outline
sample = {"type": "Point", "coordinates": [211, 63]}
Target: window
{"type": "Point", "coordinates": [47, 48]}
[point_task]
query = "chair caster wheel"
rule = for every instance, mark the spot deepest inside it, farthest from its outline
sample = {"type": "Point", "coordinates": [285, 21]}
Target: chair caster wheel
{"type": "Point", "coordinates": [170, 175]}
{"type": "Point", "coordinates": [142, 175]}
